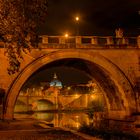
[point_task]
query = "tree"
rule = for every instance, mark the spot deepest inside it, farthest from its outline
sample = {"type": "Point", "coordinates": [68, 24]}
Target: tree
{"type": "Point", "coordinates": [19, 21]}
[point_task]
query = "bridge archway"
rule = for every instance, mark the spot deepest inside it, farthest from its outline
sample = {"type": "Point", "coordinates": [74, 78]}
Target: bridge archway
{"type": "Point", "coordinates": [117, 89]}
{"type": "Point", "coordinates": [48, 104]}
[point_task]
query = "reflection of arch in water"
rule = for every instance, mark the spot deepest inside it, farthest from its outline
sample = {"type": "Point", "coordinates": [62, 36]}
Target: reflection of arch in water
{"type": "Point", "coordinates": [20, 106]}
{"type": "Point", "coordinates": [49, 117]}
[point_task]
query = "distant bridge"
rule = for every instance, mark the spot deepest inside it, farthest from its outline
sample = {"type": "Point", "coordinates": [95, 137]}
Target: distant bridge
{"type": "Point", "coordinates": [64, 100]}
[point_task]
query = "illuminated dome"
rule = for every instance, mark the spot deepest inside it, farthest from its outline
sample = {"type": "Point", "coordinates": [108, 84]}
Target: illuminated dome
{"type": "Point", "coordinates": [55, 82]}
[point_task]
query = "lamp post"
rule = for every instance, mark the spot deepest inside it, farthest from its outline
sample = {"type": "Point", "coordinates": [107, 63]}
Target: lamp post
{"type": "Point", "coordinates": [77, 25]}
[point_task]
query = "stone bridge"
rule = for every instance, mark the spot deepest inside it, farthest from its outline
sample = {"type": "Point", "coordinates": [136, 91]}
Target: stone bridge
{"type": "Point", "coordinates": [114, 63]}
{"type": "Point", "coordinates": [80, 101]}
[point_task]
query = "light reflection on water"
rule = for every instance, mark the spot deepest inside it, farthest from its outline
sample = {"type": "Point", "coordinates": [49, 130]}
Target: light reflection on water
{"type": "Point", "coordinates": [67, 120]}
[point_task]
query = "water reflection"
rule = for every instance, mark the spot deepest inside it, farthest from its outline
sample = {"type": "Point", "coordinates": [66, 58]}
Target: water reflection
{"type": "Point", "coordinates": [67, 120]}
{"type": "Point", "coordinates": [49, 117]}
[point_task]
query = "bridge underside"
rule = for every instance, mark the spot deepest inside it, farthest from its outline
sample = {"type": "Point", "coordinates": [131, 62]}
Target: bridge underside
{"type": "Point", "coordinates": [109, 78]}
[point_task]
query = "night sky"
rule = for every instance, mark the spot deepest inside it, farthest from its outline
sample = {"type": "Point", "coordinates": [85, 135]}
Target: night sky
{"type": "Point", "coordinates": [97, 17]}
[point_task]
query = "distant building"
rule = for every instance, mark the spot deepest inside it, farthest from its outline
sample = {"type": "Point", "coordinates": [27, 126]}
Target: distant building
{"type": "Point", "coordinates": [50, 88]}
{"type": "Point", "coordinates": [55, 82]}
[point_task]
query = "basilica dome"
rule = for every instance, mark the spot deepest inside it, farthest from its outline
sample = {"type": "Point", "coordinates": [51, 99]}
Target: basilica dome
{"type": "Point", "coordinates": [55, 82]}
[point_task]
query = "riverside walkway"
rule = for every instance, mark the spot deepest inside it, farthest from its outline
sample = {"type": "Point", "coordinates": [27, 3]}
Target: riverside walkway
{"type": "Point", "coordinates": [37, 130]}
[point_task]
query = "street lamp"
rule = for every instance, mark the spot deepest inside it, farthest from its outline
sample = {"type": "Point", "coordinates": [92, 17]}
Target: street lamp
{"type": "Point", "coordinates": [66, 37]}
{"type": "Point", "coordinates": [77, 19]}
{"type": "Point", "coordinates": [77, 25]}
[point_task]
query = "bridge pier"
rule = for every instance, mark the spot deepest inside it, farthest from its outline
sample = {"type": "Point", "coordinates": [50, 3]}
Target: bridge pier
{"type": "Point", "coordinates": [8, 115]}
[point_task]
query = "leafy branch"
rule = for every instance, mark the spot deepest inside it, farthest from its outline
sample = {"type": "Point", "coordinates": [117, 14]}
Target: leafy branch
{"type": "Point", "coordinates": [19, 21]}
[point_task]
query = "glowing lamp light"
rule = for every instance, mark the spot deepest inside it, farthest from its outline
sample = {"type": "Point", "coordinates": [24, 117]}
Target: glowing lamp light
{"type": "Point", "coordinates": [77, 125]}
{"type": "Point", "coordinates": [93, 96]}
{"type": "Point", "coordinates": [66, 35]}
{"type": "Point", "coordinates": [76, 95]}
{"type": "Point", "coordinates": [77, 18]}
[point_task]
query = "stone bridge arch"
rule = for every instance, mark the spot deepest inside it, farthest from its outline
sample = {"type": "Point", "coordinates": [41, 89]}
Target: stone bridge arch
{"type": "Point", "coordinates": [123, 96]}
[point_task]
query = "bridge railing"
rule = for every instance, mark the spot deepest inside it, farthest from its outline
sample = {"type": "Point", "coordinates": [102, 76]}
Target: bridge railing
{"type": "Point", "coordinates": [89, 42]}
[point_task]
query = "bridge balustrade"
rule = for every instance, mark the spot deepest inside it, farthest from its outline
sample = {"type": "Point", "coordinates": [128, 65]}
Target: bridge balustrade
{"type": "Point", "coordinates": [89, 42]}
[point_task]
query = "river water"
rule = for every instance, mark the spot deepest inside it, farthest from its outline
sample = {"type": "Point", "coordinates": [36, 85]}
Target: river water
{"type": "Point", "coordinates": [67, 120]}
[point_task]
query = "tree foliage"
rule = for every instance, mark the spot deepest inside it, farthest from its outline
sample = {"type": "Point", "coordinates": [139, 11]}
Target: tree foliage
{"type": "Point", "coordinates": [19, 21]}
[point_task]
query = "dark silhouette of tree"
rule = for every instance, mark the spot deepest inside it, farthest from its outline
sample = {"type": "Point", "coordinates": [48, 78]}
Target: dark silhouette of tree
{"type": "Point", "coordinates": [19, 21]}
